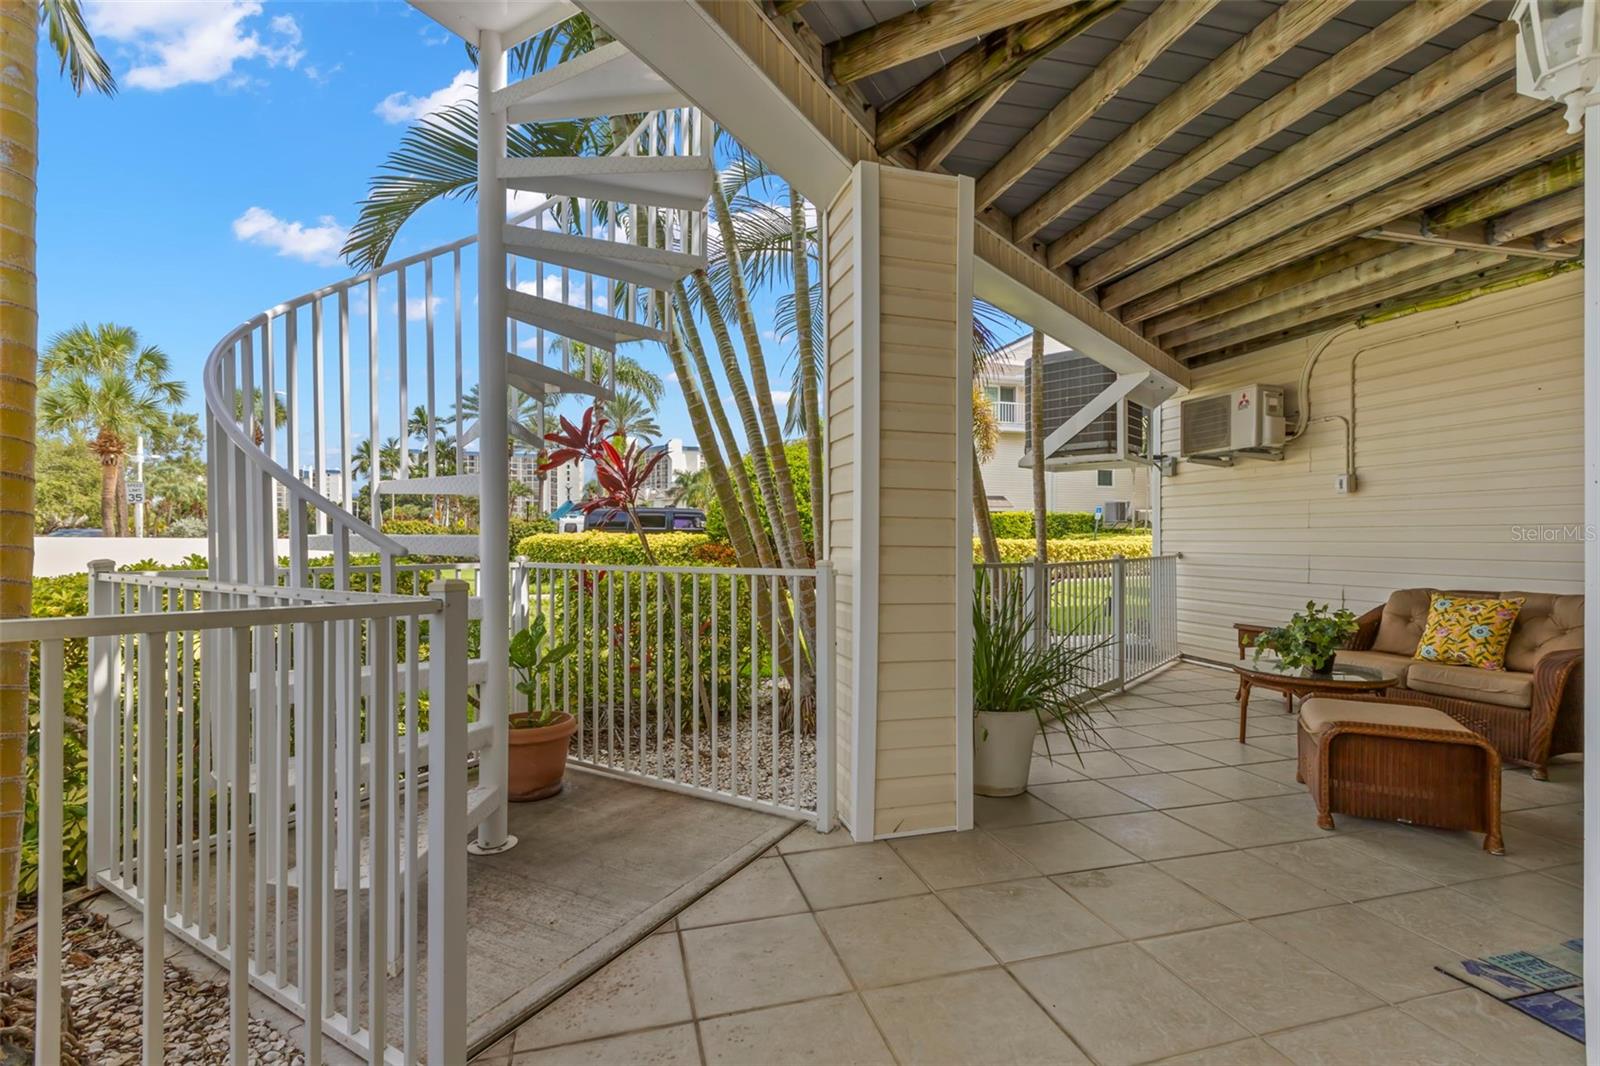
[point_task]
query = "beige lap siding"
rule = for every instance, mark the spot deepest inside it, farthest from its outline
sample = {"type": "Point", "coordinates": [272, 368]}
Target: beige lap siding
{"type": "Point", "coordinates": [1469, 426]}
{"type": "Point", "coordinates": [842, 452]}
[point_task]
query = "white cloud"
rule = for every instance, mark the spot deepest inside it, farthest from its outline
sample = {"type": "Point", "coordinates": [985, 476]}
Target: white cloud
{"type": "Point", "coordinates": [550, 289]}
{"type": "Point", "coordinates": [403, 107]}
{"type": "Point", "coordinates": [182, 42]}
{"type": "Point", "coordinates": [781, 396]}
{"type": "Point", "coordinates": [317, 244]}
{"type": "Point", "coordinates": [417, 307]}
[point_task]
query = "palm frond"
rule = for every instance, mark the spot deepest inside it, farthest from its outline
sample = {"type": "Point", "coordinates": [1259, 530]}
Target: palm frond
{"type": "Point", "coordinates": [74, 46]}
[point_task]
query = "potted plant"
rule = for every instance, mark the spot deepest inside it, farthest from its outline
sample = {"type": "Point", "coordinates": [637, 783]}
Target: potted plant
{"type": "Point", "coordinates": [1310, 639]}
{"type": "Point", "coordinates": [1020, 686]}
{"type": "Point", "coordinates": [538, 749]}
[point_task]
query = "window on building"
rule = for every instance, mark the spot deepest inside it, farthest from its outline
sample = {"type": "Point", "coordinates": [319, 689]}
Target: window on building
{"type": "Point", "coordinates": [1104, 478]}
{"type": "Point", "coordinates": [1003, 398]}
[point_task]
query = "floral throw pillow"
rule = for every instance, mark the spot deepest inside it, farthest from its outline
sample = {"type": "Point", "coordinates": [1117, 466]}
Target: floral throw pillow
{"type": "Point", "coordinates": [1468, 632]}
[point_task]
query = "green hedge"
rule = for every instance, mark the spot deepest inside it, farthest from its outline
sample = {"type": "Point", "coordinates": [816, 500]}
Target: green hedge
{"type": "Point", "coordinates": [521, 529]}
{"type": "Point", "coordinates": [799, 474]}
{"type": "Point", "coordinates": [1019, 524]}
{"type": "Point", "coordinates": [617, 549]}
{"type": "Point", "coordinates": [1070, 549]}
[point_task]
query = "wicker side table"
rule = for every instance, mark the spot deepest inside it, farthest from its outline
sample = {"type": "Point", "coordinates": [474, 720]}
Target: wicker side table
{"type": "Point", "coordinates": [1400, 761]}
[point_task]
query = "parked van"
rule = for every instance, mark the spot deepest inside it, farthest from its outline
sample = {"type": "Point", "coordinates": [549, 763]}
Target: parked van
{"type": "Point", "coordinates": [653, 519]}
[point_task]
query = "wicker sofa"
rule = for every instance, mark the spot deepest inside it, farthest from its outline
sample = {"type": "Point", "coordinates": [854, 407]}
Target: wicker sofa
{"type": "Point", "coordinates": [1530, 711]}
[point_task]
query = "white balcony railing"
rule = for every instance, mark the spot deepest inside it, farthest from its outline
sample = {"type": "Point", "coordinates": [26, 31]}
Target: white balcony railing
{"type": "Point", "coordinates": [1007, 412]}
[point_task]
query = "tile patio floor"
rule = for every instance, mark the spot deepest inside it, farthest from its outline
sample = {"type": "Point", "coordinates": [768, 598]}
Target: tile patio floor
{"type": "Point", "coordinates": [1169, 899]}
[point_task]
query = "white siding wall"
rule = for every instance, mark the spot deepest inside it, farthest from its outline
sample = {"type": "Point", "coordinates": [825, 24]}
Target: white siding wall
{"type": "Point", "coordinates": [1468, 428]}
{"type": "Point", "coordinates": [841, 457]}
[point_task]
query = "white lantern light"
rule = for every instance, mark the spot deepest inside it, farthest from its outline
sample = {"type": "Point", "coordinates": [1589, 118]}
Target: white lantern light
{"type": "Point", "coordinates": [1558, 53]}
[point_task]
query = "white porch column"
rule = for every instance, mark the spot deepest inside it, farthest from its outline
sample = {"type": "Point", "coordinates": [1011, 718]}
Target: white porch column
{"type": "Point", "coordinates": [1591, 558]}
{"type": "Point", "coordinates": [494, 505]}
{"type": "Point", "coordinates": [899, 379]}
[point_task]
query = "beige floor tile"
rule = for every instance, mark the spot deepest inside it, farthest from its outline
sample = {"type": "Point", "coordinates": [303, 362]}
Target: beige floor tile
{"type": "Point", "coordinates": [1233, 783]}
{"type": "Point", "coordinates": [1119, 737]}
{"type": "Point", "coordinates": [842, 876]}
{"type": "Point", "coordinates": [950, 860]}
{"type": "Point", "coordinates": [1154, 835]}
{"type": "Point", "coordinates": [763, 889]}
{"type": "Point", "coordinates": [1470, 927]}
{"type": "Point", "coordinates": [760, 964]}
{"type": "Point", "coordinates": [805, 838]}
{"type": "Point", "coordinates": [1024, 919]}
{"type": "Point", "coordinates": [1437, 854]}
{"type": "Point", "coordinates": [1174, 733]}
{"type": "Point", "coordinates": [1518, 790]}
{"type": "Point", "coordinates": [1270, 723]}
{"type": "Point", "coordinates": [1373, 1038]}
{"type": "Point", "coordinates": [1244, 827]}
{"type": "Point", "coordinates": [1531, 851]}
{"type": "Point", "coordinates": [1140, 901]}
{"type": "Point", "coordinates": [998, 812]}
{"type": "Point", "coordinates": [1563, 824]}
{"type": "Point", "coordinates": [1122, 1007]}
{"type": "Point", "coordinates": [1498, 1033]}
{"type": "Point", "coordinates": [1247, 885]}
{"type": "Point", "coordinates": [1263, 983]}
{"type": "Point", "coordinates": [1086, 799]}
{"type": "Point", "coordinates": [1043, 771]}
{"type": "Point", "coordinates": [1163, 791]}
{"type": "Point", "coordinates": [1169, 757]}
{"type": "Point", "coordinates": [827, 1032]}
{"type": "Point", "coordinates": [1283, 772]}
{"type": "Point", "coordinates": [1253, 1052]}
{"type": "Point", "coordinates": [1177, 714]}
{"type": "Point", "coordinates": [641, 988]}
{"type": "Point", "coordinates": [981, 1017]}
{"type": "Point", "coordinates": [1291, 806]}
{"type": "Point", "coordinates": [1102, 764]}
{"type": "Point", "coordinates": [1285, 744]}
{"type": "Point", "coordinates": [1570, 875]}
{"type": "Point", "coordinates": [1219, 728]}
{"type": "Point", "coordinates": [1062, 847]}
{"type": "Point", "coordinates": [901, 940]}
{"type": "Point", "coordinates": [1341, 870]}
{"type": "Point", "coordinates": [674, 1046]}
{"type": "Point", "coordinates": [1382, 958]}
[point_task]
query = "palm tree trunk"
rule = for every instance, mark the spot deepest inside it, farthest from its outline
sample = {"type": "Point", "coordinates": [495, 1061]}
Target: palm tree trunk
{"type": "Point", "coordinates": [790, 514]}
{"type": "Point", "coordinates": [980, 512]}
{"type": "Point", "coordinates": [19, 357]}
{"type": "Point", "coordinates": [807, 356]}
{"type": "Point", "coordinates": [110, 473]}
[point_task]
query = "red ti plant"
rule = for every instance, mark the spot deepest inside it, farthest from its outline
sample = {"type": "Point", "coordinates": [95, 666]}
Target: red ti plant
{"type": "Point", "coordinates": [622, 475]}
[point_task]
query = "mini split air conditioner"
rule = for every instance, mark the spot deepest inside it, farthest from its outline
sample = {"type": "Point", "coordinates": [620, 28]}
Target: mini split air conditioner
{"type": "Point", "coordinates": [1119, 436]}
{"type": "Point", "coordinates": [1249, 421]}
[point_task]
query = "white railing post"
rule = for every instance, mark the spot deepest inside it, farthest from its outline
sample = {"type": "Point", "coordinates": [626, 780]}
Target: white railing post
{"type": "Point", "coordinates": [47, 997]}
{"type": "Point", "coordinates": [825, 648]}
{"type": "Point", "coordinates": [1119, 616]}
{"type": "Point", "coordinates": [239, 856]}
{"type": "Point", "coordinates": [102, 721]}
{"type": "Point", "coordinates": [447, 827]}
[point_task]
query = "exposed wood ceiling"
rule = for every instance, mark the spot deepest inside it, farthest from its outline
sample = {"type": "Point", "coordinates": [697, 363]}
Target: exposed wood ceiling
{"type": "Point", "coordinates": [1223, 175]}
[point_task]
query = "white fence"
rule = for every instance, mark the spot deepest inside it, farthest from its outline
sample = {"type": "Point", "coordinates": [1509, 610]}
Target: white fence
{"type": "Point", "coordinates": [1124, 610]}
{"type": "Point", "coordinates": [222, 721]}
{"type": "Point", "coordinates": [710, 680]}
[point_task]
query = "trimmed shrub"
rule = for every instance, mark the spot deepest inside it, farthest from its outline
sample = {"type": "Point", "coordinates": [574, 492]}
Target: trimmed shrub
{"type": "Point", "coordinates": [1070, 549]}
{"type": "Point", "coordinates": [521, 529]}
{"type": "Point", "coordinates": [799, 474]}
{"type": "Point", "coordinates": [617, 549]}
{"type": "Point", "coordinates": [1057, 524]}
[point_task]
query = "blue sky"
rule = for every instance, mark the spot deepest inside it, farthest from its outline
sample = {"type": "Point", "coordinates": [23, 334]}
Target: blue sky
{"type": "Point", "coordinates": [220, 179]}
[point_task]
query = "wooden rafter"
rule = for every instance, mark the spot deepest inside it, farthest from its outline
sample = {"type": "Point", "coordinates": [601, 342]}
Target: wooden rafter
{"type": "Point", "coordinates": [1138, 50]}
{"type": "Point", "coordinates": [1472, 238]}
{"type": "Point", "coordinates": [1470, 67]}
{"type": "Point", "coordinates": [933, 149]}
{"type": "Point", "coordinates": [1540, 215]}
{"type": "Point", "coordinates": [998, 57]}
{"type": "Point", "coordinates": [1525, 186]}
{"type": "Point", "coordinates": [1275, 35]}
{"type": "Point", "coordinates": [1373, 174]}
{"type": "Point", "coordinates": [1406, 30]}
{"type": "Point", "coordinates": [924, 30]}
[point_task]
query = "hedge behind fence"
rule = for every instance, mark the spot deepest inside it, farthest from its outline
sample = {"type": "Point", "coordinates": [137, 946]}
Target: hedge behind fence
{"type": "Point", "coordinates": [621, 549]}
{"type": "Point", "coordinates": [1057, 524]}
{"type": "Point", "coordinates": [1070, 549]}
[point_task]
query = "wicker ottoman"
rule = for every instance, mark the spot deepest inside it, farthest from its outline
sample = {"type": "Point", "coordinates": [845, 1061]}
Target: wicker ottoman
{"type": "Point", "coordinates": [1401, 761]}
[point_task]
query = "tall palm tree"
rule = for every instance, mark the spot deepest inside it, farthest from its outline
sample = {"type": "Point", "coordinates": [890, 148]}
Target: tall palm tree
{"type": "Point", "coordinates": [101, 384]}
{"type": "Point", "coordinates": [692, 488]}
{"type": "Point", "coordinates": [73, 46]}
{"type": "Point", "coordinates": [632, 417]}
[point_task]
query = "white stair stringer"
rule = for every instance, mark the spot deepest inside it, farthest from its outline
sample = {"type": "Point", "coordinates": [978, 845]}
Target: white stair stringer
{"type": "Point", "coordinates": [653, 268]}
{"type": "Point", "coordinates": [680, 181]}
{"type": "Point", "coordinates": [580, 324]}
{"type": "Point", "coordinates": [607, 81]}
{"type": "Point", "coordinates": [535, 378]}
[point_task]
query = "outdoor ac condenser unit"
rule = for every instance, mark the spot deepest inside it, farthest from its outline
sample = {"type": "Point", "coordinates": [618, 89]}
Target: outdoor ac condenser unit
{"type": "Point", "coordinates": [1118, 437]}
{"type": "Point", "coordinates": [1247, 421]}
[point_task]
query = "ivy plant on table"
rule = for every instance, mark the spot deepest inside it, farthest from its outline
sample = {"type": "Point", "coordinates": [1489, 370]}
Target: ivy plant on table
{"type": "Point", "coordinates": [1310, 638]}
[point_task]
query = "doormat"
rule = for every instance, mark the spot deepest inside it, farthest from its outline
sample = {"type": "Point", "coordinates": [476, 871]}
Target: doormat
{"type": "Point", "coordinates": [1546, 984]}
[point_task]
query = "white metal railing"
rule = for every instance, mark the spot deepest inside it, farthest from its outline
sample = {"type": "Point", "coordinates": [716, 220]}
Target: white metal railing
{"type": "Point", "coordinates": [222, 720]}
{"type": "Point", "coordinates": [1005, 411]}
{"type": "Point", "coordinates": [1122, 611]}
{"type": "Point", "coordinates": [709, 680]}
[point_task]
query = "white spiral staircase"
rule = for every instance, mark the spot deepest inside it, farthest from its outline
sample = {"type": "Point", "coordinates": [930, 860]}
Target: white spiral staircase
{"type": "Point", "coordinates": [575, 266]}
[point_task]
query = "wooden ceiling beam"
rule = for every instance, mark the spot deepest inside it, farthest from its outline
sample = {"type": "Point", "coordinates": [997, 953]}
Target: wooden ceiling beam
{"type": "Point", "coordinates": [1280, 31]}
{"type": "Point", "coordinates": [998, 57]}
{"type": "Point", "coordinates": [1339, 283]}
{"type": "Point", "coordinates": [1561, 236]}
{"type": "Point", "coordinates": [1530, 219]}
{"type": "Point", "coordinates": [1375, 173]}
{"type": "Point", "coordinates": [934, 148]}
{"type": "Point", "coordinates": [1477, 63]}
{"type": "Point", "coordinates": [1452, 266]}
{"type": "Point", "coordinates": [1412, 26]}
{"type": "Point", "coordinates": [923, 31]}
{"type": "Point", "coordinates": [1472, 238]}
{"type": "Point", "coordinates": [1127, 61]}
{"type": "Point", "coordinates": [1525, 186]}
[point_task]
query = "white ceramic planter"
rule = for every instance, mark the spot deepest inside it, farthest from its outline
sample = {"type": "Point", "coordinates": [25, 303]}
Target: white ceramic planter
{"type": "Point", "coordinates": [1002, 750]}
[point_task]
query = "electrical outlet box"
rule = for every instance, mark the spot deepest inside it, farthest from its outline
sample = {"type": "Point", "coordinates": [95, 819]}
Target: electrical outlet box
{"type": "Point", "coordinates": [1344, 484]}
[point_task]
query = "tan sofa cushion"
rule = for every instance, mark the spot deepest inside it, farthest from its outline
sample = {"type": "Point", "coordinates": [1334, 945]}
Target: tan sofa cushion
{"type": "Point", "coordinates": [1505, 688]}
{"type": "Point", "coordinates": [1547, 622]}
{"type": "Point", "coordinates": [1378, 660]}
{"type": "Point", "coordinates": [1320, 712]}
{"type": "Point", "coordinates": [1404, 616]}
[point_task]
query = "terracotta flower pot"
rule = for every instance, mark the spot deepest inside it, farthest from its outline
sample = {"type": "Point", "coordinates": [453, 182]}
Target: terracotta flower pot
{"type": "Point", "coordinates": [538, 759]}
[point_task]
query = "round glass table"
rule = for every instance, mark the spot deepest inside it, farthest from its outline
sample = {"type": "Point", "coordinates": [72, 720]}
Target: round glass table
{"type": "Point", "coordinates": [1342, 680]}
